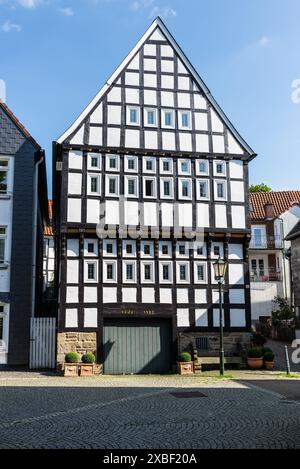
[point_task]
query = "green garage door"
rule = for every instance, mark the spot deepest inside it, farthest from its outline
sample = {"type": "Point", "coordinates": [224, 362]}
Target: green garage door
{"type": "Point", "coordinates": [137, 346]}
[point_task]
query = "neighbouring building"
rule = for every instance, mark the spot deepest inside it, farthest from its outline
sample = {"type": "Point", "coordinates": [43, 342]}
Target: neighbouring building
{"type": "Point", "coordinates": [294, 238]}
{"type": "Point", "coordinates": [49, 266]}
{"type": "Point", "coordinates": [155, 152]}
{"type": "Point", "coordinates": [23, 213]}
{"type": "Point", "coordinates": [273, 215]}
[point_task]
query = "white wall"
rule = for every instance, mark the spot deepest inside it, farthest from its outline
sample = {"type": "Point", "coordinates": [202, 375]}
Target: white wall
{"type": "Point", "coordinates": [262, 295]}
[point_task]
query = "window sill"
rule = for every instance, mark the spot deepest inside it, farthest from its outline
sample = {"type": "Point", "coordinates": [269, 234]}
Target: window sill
{"type": "Point", "coordinates": [4, 266]}
{"type": "Point", "coordinates": [5, 196]}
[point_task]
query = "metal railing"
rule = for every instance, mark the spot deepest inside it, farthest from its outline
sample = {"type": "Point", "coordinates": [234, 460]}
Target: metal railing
{"type": "Point", "coordinates": [265, 242]}
{"type": "Point", "coordinates": [265, 275]}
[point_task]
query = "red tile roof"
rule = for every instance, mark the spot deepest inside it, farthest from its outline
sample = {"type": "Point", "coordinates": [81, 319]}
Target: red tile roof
{"type": "Point", "coordinates": [20, 126]}
{"type": "Point", "coordinates": [281, 202]}
{"type": "Point", "coordinates": [48, 230]}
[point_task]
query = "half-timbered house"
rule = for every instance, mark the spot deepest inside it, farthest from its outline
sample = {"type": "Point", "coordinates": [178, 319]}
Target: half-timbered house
{"type": "Point", "coordinates": [155, 152]}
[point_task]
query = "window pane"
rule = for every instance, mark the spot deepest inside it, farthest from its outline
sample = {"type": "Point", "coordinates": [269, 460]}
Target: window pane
{"type": "Point", "coordinates": [2, 250]}
{"type": "Point", "coordinates": [113, 163]}
{"type": "Point", "coordinates": [203, 189]}
{"type": "Point", "coordinates": [3, 181]}
{"type": "Point", "coordinates": [220, 190]}
{"type": "Point", "coordinates": [202, 167]}
{"type": "Point", "coordinates": [91, 271]}
{"type": "Point", "coordinates": [149, 165]}
{"type": "Point", "coordinates": [151, 117]}
{"type": "Point", "coordinates": [165, 249]}
{"type": "Point", "coordinates": [181, 249]}
{"type": "Point", "coordinates": [257, 237]}
{"type": "Point", "coordinates": [185, 188]}
{"type": "Point", "coordinates": [149, 188]}
{"type": "Point", "coordinates": [183, 272]}
{"type": "Point", "coordinates": [165, 272]}
{"type": "Point", "coordinates": [1, 328]}
{"type": "Point", "coordinates": [94, 162]}
{"type": "Point", "coordinates": [129, 248]}
{"type": "Point", "coordinates": [147, 272]}
{"type": "Point", "coordinates": [185, 120]}
{"type": "Point", "coordinates": [168, 118]}
{"type": "Point", "coordinates": [131, 164]}
{"type": "Point", "coordinates": [94, 184]}
{"type": "Point", "coordinates": [129, 271]}
{"type": "Point", "coordinates": [200, 272]}
{"type": "Point", "coordinates": [167, 188]}
{"type": "Point", "coordinates": [147, 249]}
{"type": "Point", "coordinates": [91, 247]}
{"type": "Point", "coordinates": [166, 165]}
{"type": "Point", "coordinates": [217, 251]}
{"type": "Point", "coordinates": [133, 116]}
{"type": "Point", "coordinates": [109, 248]}
{"type": "Point", "coordinates": [220, 168]}
{"type": "Point", "coordinates": [110, 271]}
{"type": "Point", "coordinates": [184, 167]}
{"type": "Point", "coordinates": [131, 186]}
{"type": "Point", "coordinates": [112, 186]}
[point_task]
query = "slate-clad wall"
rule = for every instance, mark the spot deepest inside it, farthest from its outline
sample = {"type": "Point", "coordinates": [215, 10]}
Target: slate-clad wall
{"type": "Point", "coordinates": [11, 139]}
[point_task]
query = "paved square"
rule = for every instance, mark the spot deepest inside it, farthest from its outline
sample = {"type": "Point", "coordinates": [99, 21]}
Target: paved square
{"type": "Point", "coordinates": [39, 411]}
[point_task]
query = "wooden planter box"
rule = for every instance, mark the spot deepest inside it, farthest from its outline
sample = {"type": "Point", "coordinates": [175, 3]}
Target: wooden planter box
{"type": "Point", "coordinates": [86, 369]}
{"type": "Point", "coordinates": [185, 368]}
{"type": "Point", "coordinates": [71, 369]}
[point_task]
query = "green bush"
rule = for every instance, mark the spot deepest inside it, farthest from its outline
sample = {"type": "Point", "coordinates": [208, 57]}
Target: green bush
{"type": "Point", "coordinates": [255, 353]}
{"type": "Point", "coordinates": [269, 357]}
{"type": "Point", "coordinates": [88, 358]}
{"type": "Point", "coordinates": [185, 357]}
{"type": "Point", "coordinates": [282, 311]}
{"type": "Point", "coordinates": [266, 350]}
{"type": "Point", "coordinates": [259, 339]}
{"type": "Point", "coordinates": [72, 357]}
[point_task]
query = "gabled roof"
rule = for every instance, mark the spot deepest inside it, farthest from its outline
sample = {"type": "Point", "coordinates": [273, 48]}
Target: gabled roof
{"type": "Point", "coordinates": [294, 233]}
{"type": "Point", "coordinates": [158, 24]}
{"type": "Point", "coordinates": [48, 230]}
{"type": "Point", "coordinates": [18, 124]}
{"type": "Point", "coordinates": [281, 201]}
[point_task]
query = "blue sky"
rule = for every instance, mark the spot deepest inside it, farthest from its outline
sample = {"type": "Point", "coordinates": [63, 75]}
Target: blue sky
{"type": "Point", "coordinates": [56, 54]}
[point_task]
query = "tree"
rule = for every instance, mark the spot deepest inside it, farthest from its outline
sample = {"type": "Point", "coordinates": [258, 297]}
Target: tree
{"type": "Point", "coordinates": [259, 188]}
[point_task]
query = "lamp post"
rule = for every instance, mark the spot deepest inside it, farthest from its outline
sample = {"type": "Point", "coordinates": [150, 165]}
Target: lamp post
{"type": "Point", "coordinates": [220, 266]}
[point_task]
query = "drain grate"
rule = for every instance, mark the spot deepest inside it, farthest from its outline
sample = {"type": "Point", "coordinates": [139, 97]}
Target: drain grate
{"type": "Point", "coordinates": [187, 394]}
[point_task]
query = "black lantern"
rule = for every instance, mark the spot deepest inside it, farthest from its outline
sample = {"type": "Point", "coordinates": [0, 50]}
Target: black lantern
{"type": "Point", "coordinates": [220, 269]}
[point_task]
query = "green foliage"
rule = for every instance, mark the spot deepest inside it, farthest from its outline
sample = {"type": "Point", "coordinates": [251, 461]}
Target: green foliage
{"type": "Point", "coordinates": [269, 357]}
{"type": "Point", "coordinates": [72, 357]}
{"type": "Point", "coordinates": [259, 188]}
{"type": "Point", "coordinates": [259, 339]}
{"type": "Point", "coordinates": [255, 352]}
{"type": "Point", "coordinates": [266, 350]}
{"type": "Point", "coordinates": [282, 310]}
{"type": "Point", "coordinates": [88, 358]}
{"type": "Point", "coordinates": [185, 357]}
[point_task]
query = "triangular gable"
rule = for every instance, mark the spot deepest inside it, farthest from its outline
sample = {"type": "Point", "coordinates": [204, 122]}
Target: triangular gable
{"type": "Point", "coordinates": [225, 138]}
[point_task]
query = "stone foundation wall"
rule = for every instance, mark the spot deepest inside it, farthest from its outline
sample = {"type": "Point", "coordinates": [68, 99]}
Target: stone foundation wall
{"type": "Point", "coordinates": [80, 342]}
{"type": "Point", "coordinates": [232, 340]}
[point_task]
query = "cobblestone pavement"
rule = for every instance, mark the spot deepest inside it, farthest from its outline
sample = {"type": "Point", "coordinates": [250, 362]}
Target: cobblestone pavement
{"type": "Point", "coordinates": [40, 411]}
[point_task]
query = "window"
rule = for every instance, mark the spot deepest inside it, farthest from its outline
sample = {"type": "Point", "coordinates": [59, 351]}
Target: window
{"type": "Point", "coordinates": [184, 189]}
{"type": "Point", "coordinates": [219, 168]}
{"type": "Point", "coordinates": [165, 249]}
{"type": "Point", "coordinates": [149, 165]}
{"type": "Point", "coordinates": [257, 237]}
{"type": "Point", "coordinates": [131, 186]}
{"type": "Point", "coordinates": [129, 248]}
{"type": "Point", "coordinates": [166, 188]}
{"type": "Point", "coordinates": [200, 272]}
{"type": "Point", "coordinates": [150, 117]}
{"type": "Point", "coordinates": [109, 247]}
{"type": "Point", "coordinates": [112, 162]}
{"type": "Point", "coordinates": [184, 120]}
{"type": "Point", "coordinates": [90, 247]}
{"type": "Point", "coordinates": [109, 271]}
{"type": "Point", "coordinates": [133, 115]}
{"type": "Point", "coordinates": [202, 167]}
{"type": "Point", "coordinates": [165, 272]}
{"type": "Point", "coordinates": [131, 163]}
{"type": "Point", "coordinates": [2, 243]}
{"type": "Point", "coordinates": [3, 176]}
{"type": "Point", "coordinates": [94, 161]}
{"type": "Point", "coordinates": [217, 250]}
{"type": "Point", "coordinates": [184, 167]}
{"type": "Point", "coordinates": [166, 165]}
{"type": "Point", "coordinates": [129, 271]}
{"type": "Point", "coordinates": [182, 271]}
{"type": "Point", "coordinates": [199, 249]}
{"type": "Point", "coordinates": [147, 272]}
{"type": "Point", "coordinates": [1, 325]}
{"type": "Point", "coordinates": [202, 189]}
{"type": "Point", "coordinates": [90, 271]}
{"type": "Point", "coordinates": [150, 187]}
{"type": "Point", "coordinates": [167, 118]}
{"type": "Point", "coordinates": [94, 184]}
{"type": "Point", "coordinates": [182, 249]}
{"type": "Point", "coordinates": [146, 249]}
{"type": "Point", "coordinates": [112, 185]}
{"type": "Point", "coordinates": [220, 190]}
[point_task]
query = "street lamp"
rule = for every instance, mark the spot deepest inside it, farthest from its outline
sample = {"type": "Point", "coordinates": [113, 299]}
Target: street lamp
{"type": "Point", "coordinates": [220, 266]}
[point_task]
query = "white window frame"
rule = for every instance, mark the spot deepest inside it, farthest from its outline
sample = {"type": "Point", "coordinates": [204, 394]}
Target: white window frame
{"type": "Point", "coordinates": [143, 280]}
{"type": "Point", "coordinates": [149, 171]}
{"type": "Point", "coordinates": [206, 182]}
{"type": "Point", "coordinates": [7, 170]}
{"type": "Point", "coordinates": [108, 157]}
{"type": "Point", "coordinates": [149, 178]}
{"type": "Point", "coordinates": [95, 244]}
{"type": "Point", "coordinates": [197, 164]}
{"type": "Point", "coordinates": [138, 113]}
{"type": "Point", "coordinates": [262, 229]}
{"type": "Point", "coordinates": [131, 158]}
{"type": "Point", "coordinates": [89, 163]}
{"type": "Point", "coordinates": [161, 265]}
{"type": "Point", "coordinates": [203, 246]}
{"type": "Point", "coordinates": [161, 165]}
{"type": "Point", "coordinates": [146, 123]}
{"type": "Point", "coordinates": [160, 245]}
{"type": "Point", "coordinates": [107, 178]}
{"type": "Point", "coordinates": [147, 256]}
{"type": "Point", "coordinates": [221, 246]}
{"type": "Point", "coordinates": [224, 183]}
{"type": "Point", "coordinates": [178, 264]}
{"type": "Point", "coordinates": [183, 197]}
{"type": "Point", "coordinates": [4, 237]}
{"type": "Point", "coordinates": [124, 264]}
{"type": "Point", "coordinates": [126, 180]}
{"type": "Point", "coordinates": [180, 116]}
{"type": "Point", "coordinates": [162, 195]}
{"type": "Point", "coordinates": [104, 270]}
{"type": "Point", "coordinates": [183, 173]}
{"type": "Point", "coordinates": [89, 188]}
{"type": "Point", "coordinates": [223, 163]}
{"type": "Point", "coordinates": [186, 249]}
{"type": "Point", "coordinates": [114, 243]}
{"type": "Point", "coordinates": [130, 242]}
{"type": "Point", "coordinates": [86, 264]}
{"type": "Point", "coordinates": [204, 264]}
{"type": "Point", "coordinates": [163, 114]}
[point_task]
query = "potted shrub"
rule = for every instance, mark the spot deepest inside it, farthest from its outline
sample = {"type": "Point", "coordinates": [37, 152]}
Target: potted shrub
{"type": "Point", "coordinates": [71, 364]}
{"type": "Point", "coordinates": [259, 340]}
{"type": "Point", "coordinates": [269, 360]}
{"type": "Point", "coordinates": [255, 358]}
{"type": "Point", "coordinates": [185, 364]}
{"type": "Point", "coordinates": [87, 364]}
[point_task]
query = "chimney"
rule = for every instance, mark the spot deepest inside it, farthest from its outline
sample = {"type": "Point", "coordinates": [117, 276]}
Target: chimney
{"type": "Point", "coordinates": [2, 91]}
{"type": "Point", "coordinates": [269, 211]}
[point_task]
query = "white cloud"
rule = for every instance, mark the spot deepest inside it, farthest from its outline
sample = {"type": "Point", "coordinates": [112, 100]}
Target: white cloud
{"type": "Point", "coordinates": [68, 11]}
{"type": "Point", "coordinates": [163, 12]}
{"type": "Point", "coordinates": [155, 10]}
{"type": "Point", "coordinates": [8, 27]}
{"type": "Point", "coordinates": [29, 3]}
{"type": "Point", "coordinates": [264, 41]}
